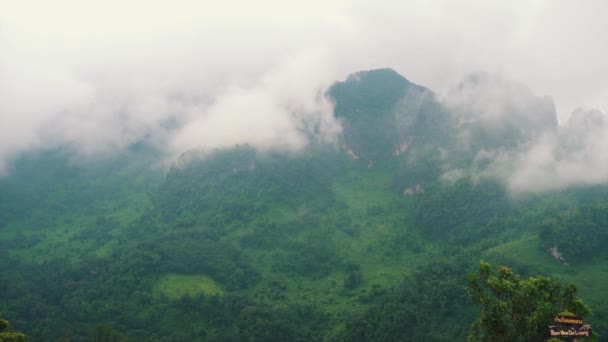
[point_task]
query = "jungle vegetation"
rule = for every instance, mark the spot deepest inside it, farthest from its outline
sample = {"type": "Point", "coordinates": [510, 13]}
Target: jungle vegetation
{"type": "Point", "coordinates": [361, 240]}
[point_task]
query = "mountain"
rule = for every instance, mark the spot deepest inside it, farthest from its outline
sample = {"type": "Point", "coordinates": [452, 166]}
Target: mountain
{"type": "Point", "coordinates": [499, 113]}
{"type": "Point", "coordinates": [384, 115]}
{"type": "Point", "coordinates": [368, 238]}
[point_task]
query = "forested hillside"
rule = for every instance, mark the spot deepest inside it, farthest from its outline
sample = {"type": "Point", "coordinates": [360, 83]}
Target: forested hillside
{"type": "Point", "coordinates": [368, 238]}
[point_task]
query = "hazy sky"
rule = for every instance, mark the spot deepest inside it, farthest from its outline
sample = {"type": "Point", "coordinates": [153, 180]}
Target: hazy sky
{"type": "Point", "coordinates": [99, 75]}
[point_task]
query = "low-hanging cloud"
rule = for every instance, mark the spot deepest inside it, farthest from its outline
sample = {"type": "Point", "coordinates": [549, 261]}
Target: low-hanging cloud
{"type": "Point", "coordinates": [291, 100]}
{"type": "Point", "coordinates": [495, 112]}
{"type": "Point", "coordinates": [99, 76]}
{"type": "Point", "coordinates": [575, 155]}
{"type": "Point", "coordinates": [176, 82]}
{"type": "Point", "coordinates": [518, 139]}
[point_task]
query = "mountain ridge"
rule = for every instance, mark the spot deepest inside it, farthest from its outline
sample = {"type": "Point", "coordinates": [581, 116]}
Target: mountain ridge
{"type": "Point", "coordinates": [363, 238]}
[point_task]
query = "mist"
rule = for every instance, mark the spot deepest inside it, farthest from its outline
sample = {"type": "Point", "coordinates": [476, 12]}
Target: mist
{"type": "Point", "coordinates": [521, 143]}
{"type": "Point", "coordinates": [101, 76]}
{"type": "Point", "coordinates": [572, 156]}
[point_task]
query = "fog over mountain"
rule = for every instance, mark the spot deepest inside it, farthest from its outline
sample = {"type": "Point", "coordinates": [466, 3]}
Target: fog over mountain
{"type": "Point", "coordinates": [99, 77]}
{"type": "Point", "coordinates": [421, 170]}
{"type": "Point", "coordinates": [573, 155]}
{"type": "Point", "coordinates": [544, 156]}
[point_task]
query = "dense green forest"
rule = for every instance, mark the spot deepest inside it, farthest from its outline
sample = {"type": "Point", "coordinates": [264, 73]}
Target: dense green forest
{"type": "Point", "coordinates": [361, 240]}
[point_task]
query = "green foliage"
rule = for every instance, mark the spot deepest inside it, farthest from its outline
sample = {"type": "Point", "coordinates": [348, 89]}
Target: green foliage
{"type": "Point", "coordinates": [104, 333]}
{"type": "Point", "coordinates": [233, 186]}
{"type": "Point", "coordinates": [462, 213]}
{"type": "Point", "coordinates": [429, 305]}
{"type": "Point", "coordinates": [237, 244]}
{"type": "Point", "coordinates": [7, 335]}
{"type": "Point", "coordinates": [579, 233]}
{"type": "Point", "coordinates": [353, 279]}
{"type": "Point", "coordinates": [516, 309]}
{"type": "Point", "coordinates": [384, 113]}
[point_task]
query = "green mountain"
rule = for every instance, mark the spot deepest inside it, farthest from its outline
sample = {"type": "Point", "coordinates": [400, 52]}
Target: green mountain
{"type": "Point", "coordinates": [362, 240]}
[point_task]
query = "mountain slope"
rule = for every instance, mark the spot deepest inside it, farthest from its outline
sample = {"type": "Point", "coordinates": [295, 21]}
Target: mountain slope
{"type": "Point", "coordinates": [365, 239]}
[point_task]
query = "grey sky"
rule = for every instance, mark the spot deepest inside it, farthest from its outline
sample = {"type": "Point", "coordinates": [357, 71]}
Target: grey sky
{"type": "Point", "coordinates": [101, 74]}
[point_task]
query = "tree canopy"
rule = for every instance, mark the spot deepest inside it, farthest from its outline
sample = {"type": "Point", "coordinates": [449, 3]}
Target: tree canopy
{"type": "Point", "coordinates": [7, 335]}
{"type": "Point", "coordinates": [516, 309]}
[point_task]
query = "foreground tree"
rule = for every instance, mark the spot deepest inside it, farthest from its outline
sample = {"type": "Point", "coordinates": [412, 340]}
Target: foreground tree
{"type": "Point", "coordinates": [515, 309]}
{"type": "Point", "coordinates": [10, 336]}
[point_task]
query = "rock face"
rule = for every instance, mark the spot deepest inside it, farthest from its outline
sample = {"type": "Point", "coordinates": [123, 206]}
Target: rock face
{"type": "Point", "coordinates": [417, 189]}
{"type": "Point", "coordinates": [584, 120]}
{"type": "Point", "coordinates": [365, 103]}
{"type": "Point", "coordinates": [557, 255]}
{"type": "Point", "coordinates": [384, 115]}
{"type": "Point", "coordinates": [500, 113]}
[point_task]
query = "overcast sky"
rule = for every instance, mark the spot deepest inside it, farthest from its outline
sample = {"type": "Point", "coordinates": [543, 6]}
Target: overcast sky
{"type": "Point", "coordinates": [99, 75]}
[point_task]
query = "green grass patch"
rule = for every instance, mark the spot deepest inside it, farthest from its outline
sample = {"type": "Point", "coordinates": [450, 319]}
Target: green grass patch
{"type": "Point", "coordinates": [525, 250]}
{"type": "Point", "coordinates": [590, 276]}
{"type": "Point", "coordinates": [359, 192]}
{"type": "Point", "coordinates": [175, 286]}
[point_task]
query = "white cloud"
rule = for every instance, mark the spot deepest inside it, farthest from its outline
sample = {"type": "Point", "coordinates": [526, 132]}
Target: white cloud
{"type": "Point", "coordinates": [281, 111]}
{"type": "Point", "coordinates": [100, 75]}
{"type": "Point", "coordinates": [574, 156]}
